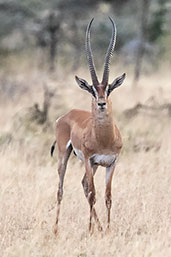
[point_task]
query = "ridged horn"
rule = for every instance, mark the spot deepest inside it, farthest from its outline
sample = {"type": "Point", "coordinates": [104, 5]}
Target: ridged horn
{"type": "Point", "coordinates": [90, 56]}
{"type": "Point", "coordinates": [109, 54]}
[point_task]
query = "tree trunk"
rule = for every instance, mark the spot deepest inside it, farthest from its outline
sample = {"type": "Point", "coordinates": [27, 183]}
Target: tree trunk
{"type": "Point", "coordinates": [53, 29]}
{"type": "Point", "coordinates": [142, 38]}
{"type": "Point", "coordinates": [53, 49]}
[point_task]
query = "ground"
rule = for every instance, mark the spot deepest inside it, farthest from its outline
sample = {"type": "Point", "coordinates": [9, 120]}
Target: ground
{"type": "Point", "coordinates": [141, 211]}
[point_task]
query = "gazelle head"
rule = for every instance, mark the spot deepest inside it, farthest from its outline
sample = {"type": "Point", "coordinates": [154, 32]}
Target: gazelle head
{"type": "Point", "coordinates": [100, 91]}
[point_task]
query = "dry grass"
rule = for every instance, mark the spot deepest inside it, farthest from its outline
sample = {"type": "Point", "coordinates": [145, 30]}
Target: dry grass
{"type": "Point", "coordinates": [141, 212]}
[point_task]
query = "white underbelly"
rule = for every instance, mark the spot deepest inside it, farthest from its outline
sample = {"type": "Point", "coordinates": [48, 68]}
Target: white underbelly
{"type": "Point", "coordinates": [98, 159]}
{"type": "Point", "coordinates": [105, 160]}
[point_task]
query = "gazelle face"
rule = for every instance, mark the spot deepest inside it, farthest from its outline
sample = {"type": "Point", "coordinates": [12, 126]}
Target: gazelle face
{"type": "Point", "coordinates": [100, 91]}
{"type": "Point", "coordinates": [100, 97]}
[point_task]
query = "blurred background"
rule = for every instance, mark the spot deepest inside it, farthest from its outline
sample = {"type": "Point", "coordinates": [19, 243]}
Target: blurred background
{"type": "Point", "coordinates": [42, 48]}
{"type": "Point", "coordinates": [50, 34]}
{"type": "Point", "coordinates": [45, 40]}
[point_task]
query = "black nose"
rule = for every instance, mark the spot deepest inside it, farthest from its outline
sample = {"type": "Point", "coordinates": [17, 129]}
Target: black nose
{"type": "Point", "coordinates": [101, 105]}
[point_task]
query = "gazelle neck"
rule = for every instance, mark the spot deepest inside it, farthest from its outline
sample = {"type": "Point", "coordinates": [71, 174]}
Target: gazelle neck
{"type": "Point", "coordinates": [103, 122]}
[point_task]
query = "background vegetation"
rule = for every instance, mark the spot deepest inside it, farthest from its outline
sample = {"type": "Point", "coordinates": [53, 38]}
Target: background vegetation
{"type": "Point", "coordinates": [41, 50]}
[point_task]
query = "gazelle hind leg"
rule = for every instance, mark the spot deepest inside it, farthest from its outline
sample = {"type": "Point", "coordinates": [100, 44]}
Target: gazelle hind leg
{"type": "Point", "coordinates": [61, 171]}
{"type": "Point", "coordinates": [108, 197]}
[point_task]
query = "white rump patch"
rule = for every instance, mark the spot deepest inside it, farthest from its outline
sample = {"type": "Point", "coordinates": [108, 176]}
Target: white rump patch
{"type": "Point", "coordinates": [59, 118]}
{"type": "Point", "coordinates": [79, 154]}
{"type": "Point", "coordinates": [68, 144]}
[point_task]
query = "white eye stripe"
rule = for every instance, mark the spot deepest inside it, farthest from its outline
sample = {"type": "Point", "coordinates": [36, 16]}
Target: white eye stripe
{"type": "Point", "coordinates": [106, 91]}
{"type": "Point", "coordinates": [95, 91]}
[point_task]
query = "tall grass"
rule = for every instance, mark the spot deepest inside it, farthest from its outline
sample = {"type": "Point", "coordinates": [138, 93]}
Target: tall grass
{"type": "Point", "coordinates": [141, 211]}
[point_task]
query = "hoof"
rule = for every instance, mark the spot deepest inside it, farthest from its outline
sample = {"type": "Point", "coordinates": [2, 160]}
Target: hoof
{"type": "Point", "coordinates": [100, 229]}
{"type": "Point", "coordinates": [55, 229]}
{"type": "Point", "coordinates": [108, 230]}
{"type": "Point", "coordinates": [91, 229]}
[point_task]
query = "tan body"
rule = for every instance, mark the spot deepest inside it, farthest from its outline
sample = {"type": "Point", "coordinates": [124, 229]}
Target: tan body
{"type": "Point", "coordinates": [88, 135]}
{"type": "Point", "coordinates": [93, 136]}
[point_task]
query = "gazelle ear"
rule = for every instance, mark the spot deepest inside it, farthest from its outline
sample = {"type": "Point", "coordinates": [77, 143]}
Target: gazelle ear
{"type": "Point", "coordinates": [116, 83]}
{"type": "Point", "coordinates": [84, 85]}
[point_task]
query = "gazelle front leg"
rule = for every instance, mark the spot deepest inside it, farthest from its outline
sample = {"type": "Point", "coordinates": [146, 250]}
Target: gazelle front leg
{"type": "Point", "coordinates": [91, 191]}
{"type": "Point", "coordinates": [108, 197]}
{"type": "Point", "coordinates": [86, 192]}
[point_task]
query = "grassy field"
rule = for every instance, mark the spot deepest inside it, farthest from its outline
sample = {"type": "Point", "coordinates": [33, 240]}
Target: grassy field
{"type": "Point", "coordinates": [141, 211]}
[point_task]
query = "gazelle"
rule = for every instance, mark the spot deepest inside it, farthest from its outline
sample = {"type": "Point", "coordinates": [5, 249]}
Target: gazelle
{"type": "Point", "coordinates": [93, 136]}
